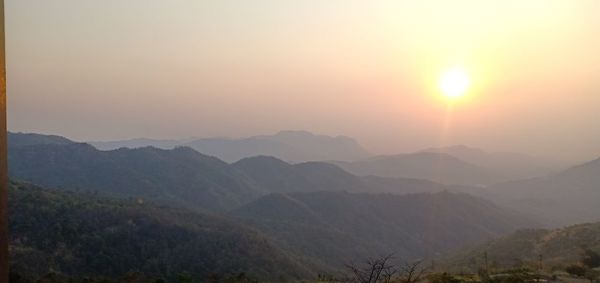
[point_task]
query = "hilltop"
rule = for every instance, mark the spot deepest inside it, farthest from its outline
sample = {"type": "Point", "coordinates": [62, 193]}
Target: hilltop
{"type": "Point", "coordinates": [557, 248]}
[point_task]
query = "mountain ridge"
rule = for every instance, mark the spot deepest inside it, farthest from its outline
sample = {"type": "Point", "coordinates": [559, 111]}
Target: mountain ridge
{"type": "Point", "coordinates": [510, 165]}
{"type": "Point", "coordinates": [293, 146]}
{"type": "Point", "coordinates": [564, 198]}
{"type": "Point", "coordinates": [337, 227]}
{"type": "Point", "coordinates": [179, 176]}
{"type": "Point", "coordinates": [438, 167]}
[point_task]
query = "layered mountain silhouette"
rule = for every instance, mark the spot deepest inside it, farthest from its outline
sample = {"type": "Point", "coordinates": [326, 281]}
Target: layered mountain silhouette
{"type": "Point", "coordinates": [296, 146]}
{"type": "Point", "coordinates": [276, 175]}
{"type": "Point", "coordinates": [438, 167]}
{"type": "Point", "coordinates": [312, 215]}
{"type": "Point", "coordinates": [181, 176]}
{"type": "Point", "coordinates": [568, 197]}
{"type": "Point", "coordinates": [338, 227]}
{"type": "Point", "coordinates": [509, 165]}
{"type": "Point", "coordinates": [459, 165]}
{"type": "Point", "coordinates": [184, 177]}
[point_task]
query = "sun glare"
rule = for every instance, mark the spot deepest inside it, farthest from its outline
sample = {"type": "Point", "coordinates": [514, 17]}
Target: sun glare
{"type": "Point", "coordinates": [454, 83]}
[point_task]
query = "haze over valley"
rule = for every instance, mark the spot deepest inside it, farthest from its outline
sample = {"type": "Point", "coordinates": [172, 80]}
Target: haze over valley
{"type": "Point", "coordinates": [316, 214]}
{"type": "Point", "coordinates": [340, 141]}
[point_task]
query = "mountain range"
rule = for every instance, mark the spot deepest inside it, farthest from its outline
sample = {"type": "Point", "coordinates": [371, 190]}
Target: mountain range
{"type": "Point", "coordinates": [438, 167]}
{"type": "Point", "coordinates": [184, 177]}
{"type": "Point", "coordinates": [25, 139]}
{"type": "Point", "coordinates": [507, 165]}
{"type": "Point", "coordinates": [316, 215]}
{"type": "Point", "coordinates": [563, 198]}
{"type": "Point", "coordinates": [292, 146]}
{"type": "Point", "coordinates": [179, 177]}
{"type": "Point", "coordinates": [459, 165]}
{"type": "Point", "coordinates": [277, 236]}
{"type": "Point", "coordinates": [312, 217]}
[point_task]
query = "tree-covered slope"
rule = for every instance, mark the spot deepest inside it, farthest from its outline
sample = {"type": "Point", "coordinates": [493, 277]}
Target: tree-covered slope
{"type": "Point", "coordinates": [180, 176]}
{"type": "Point", "coordinates": [337, 227]}
{"type": "Point", "coordinates": [82, 235]}
{"type": "Point", "coordinates": [184, 177]}
{"type": "Point", "coordinates": [555, 248]}
{"type": "Point", "coordinates": [275, 175]}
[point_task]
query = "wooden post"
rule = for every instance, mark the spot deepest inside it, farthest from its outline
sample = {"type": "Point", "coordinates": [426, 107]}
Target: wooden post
{"type": "Point", "coordinates": [3, 158]}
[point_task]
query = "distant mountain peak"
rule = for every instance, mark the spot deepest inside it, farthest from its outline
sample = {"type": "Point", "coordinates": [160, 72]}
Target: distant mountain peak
{"type": "Point", "coordinates": [288, 145]}
{"type": "Point", "coordinates": [25, 139]}
{"type": "Point", "coordinates": [308, 134]}
{"type": "Point", "coordinates": [435, 166]}
{"type": "Point", "coordinates": [294, 133]}
{"type": "Point", "coordinates": [458, 149]}
{"type": "Point", "coordinates": [179, 176]}
{"type": "Point", "coordinates": [508, 165]}
{"type": "Point", "coordinates": [590, 164]}
{"type": "Point", "coordinates": [262, 159]}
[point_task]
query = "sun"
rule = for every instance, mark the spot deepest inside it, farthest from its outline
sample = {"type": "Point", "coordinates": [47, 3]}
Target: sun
{"type": "Point", "coordinates": [454, 83]}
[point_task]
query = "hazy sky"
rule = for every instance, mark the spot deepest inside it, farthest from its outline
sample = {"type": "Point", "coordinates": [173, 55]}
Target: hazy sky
{"type": "Point", "coordinates": [114, 69]}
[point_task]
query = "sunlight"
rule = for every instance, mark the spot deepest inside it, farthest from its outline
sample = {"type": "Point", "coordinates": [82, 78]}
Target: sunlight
{"type": "Point", "coordinates": [454, 83]}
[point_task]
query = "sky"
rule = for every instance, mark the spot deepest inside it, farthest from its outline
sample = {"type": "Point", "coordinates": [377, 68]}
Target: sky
{"type": "Point", "coordinates": [113, 69]}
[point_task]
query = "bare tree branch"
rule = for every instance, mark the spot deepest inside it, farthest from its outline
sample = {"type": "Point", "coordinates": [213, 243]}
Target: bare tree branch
{"type": "Point", "coordinates": [374, 270]}
{"type": "Point", "coordinates": [412, 272]}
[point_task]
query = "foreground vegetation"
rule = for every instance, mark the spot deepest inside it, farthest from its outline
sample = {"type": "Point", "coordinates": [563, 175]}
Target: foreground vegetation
{"type": "Point", "coordinates": [81, 236]}
{"type": "Point", "coordinates": [377, 270]}
{"type": "Point", "coordinates": [62, 236]}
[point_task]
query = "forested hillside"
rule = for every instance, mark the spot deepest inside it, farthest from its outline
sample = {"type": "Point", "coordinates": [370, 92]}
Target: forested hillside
{"type": "Point", "coordinates": [275, 175]}
{"type": "Point", "coordinates": [82, 235]}
{"type": "Point", "coordinates": [336, 227]}
{"type": "Point", "coordinates": [184, 177]}
{"type": "Point", "coordinates": [309, 217]}
{"type": "Point", "coordinates": [554, 249]}
{"type": "Point", "coordinates": [181, 176]}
